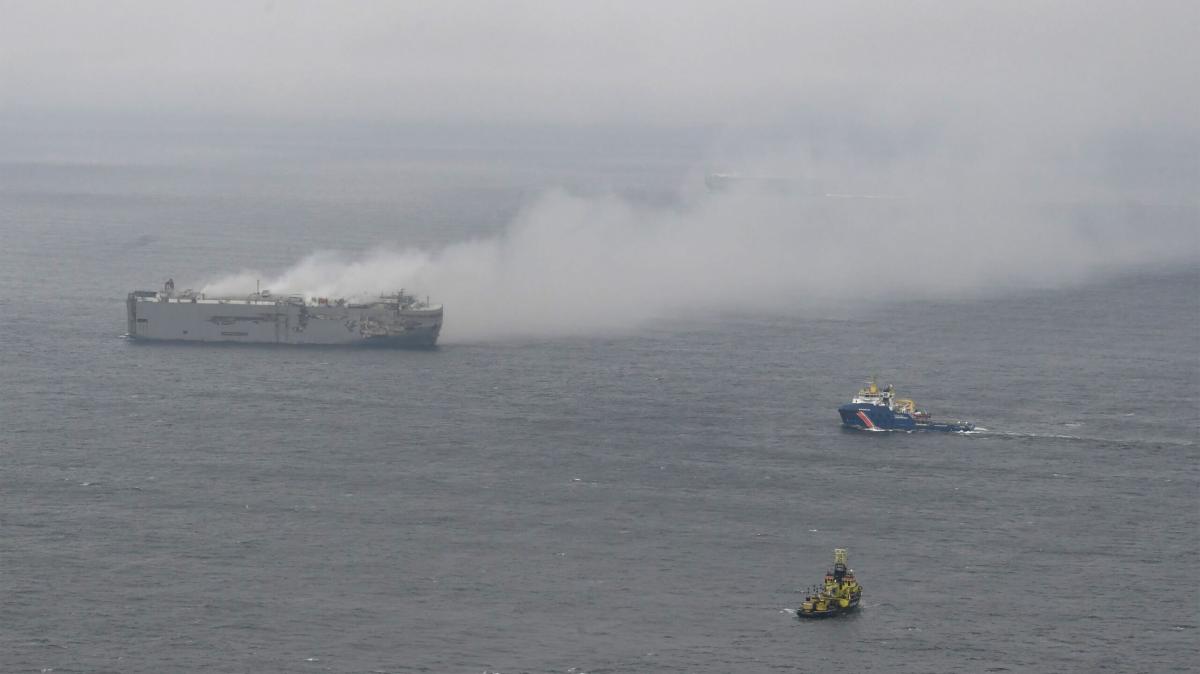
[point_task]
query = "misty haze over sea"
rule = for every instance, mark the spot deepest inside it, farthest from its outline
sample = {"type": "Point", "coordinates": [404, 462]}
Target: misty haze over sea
{"type": "Point", "coordinates": [670, 240]}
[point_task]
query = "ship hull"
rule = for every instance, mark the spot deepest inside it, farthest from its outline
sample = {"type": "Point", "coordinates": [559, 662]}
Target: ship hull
{"type": "Point", "coordinates": [281, 322]}
{"type": "Point", "coordinates": [832, 612]}
{"type": "Point", "coordinates": [868, 417]}
{"type": "Point", "coordinates": [415, 339]}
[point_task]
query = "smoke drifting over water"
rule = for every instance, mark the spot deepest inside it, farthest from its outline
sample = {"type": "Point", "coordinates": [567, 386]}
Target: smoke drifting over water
{"type": "Point", "coordinates": [1028, 144]}
{"type": "Point", "coordinates": [583, 265]}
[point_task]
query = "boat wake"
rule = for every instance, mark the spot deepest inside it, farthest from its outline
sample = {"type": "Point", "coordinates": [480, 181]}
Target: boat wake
{"type": "Point", "coordinates": [1016, 435]}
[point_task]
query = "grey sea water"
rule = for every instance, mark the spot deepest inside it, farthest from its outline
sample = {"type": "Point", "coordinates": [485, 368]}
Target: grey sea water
{"type": "Point", "coordinates": [627, 503]}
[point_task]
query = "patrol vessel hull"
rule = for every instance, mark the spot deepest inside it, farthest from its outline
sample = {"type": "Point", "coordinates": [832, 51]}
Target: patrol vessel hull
{"type": "Point", "coordinates": [264, 320]}
{"type": "Point", "coordinates": [871, 417]}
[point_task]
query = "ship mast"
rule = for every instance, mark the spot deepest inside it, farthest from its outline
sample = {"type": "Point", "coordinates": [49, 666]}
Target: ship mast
{"type": "Point", "coordinates": [839, 564]}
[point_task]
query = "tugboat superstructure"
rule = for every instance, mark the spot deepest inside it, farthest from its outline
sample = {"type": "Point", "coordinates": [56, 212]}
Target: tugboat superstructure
{"type": "Point", "coordinates": [878, 409]}
{"type": "Point", "coordinates": [839, 594]}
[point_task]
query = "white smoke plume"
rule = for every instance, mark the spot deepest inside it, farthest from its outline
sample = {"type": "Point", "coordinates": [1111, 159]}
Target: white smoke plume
{"type": "Point", "coordinates": [584, 265]}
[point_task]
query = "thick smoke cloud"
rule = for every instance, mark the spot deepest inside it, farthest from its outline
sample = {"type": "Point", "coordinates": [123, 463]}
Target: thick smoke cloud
{"type": "Point", "coordinates": [584, 265]}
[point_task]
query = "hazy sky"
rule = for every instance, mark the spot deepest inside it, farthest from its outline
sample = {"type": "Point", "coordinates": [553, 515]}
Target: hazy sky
{"type": "Point", "coordinates": [1031, 64]}
{"type": "Point", "coordinates": [1082, 91]}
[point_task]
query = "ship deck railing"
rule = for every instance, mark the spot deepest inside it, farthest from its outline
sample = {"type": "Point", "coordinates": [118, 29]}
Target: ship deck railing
{"type": "Point", "coordinates": [209, 300]}
{"type": "Point", "coordinates": [274, 301]}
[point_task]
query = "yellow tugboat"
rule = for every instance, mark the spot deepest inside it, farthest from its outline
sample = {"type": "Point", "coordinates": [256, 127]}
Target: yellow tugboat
{"type": "Point", "coordinates": [839, 594]}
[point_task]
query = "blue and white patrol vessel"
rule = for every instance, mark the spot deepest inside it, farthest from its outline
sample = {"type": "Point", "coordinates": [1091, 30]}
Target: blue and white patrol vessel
{"type": "Point", "coordinates": [878, 409]}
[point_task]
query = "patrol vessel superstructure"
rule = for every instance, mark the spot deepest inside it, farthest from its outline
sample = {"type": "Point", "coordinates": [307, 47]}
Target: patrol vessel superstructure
{"type": "Point", "coordinates": [399, 319]}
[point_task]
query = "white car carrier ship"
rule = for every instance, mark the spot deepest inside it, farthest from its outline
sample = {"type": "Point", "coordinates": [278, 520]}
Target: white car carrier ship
{"type": "Point", "coordinates": [262, 318]}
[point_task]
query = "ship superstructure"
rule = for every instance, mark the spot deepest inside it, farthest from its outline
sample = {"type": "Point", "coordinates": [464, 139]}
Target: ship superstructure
{"type": "Point", "coordinates": [399, 319]}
